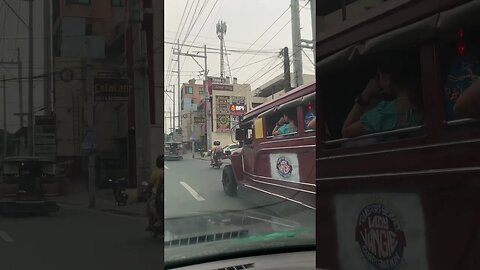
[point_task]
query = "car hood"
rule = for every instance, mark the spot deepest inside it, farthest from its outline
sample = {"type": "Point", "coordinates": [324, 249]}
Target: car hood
{"type": "Point", "coordinates": [213, 235]}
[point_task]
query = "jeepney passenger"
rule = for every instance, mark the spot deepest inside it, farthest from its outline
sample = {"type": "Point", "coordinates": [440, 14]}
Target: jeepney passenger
{"type": "Point", "coordinates": [286, 124]}
{"type": "Point", "coordinates": [397, 77]}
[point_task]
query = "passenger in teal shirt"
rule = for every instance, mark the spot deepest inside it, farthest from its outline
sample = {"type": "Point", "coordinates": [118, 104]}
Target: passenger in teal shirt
{"type": "Point", "coordinates": [398, 76]}
{"type": "Point", "coordinates": [286, 124]}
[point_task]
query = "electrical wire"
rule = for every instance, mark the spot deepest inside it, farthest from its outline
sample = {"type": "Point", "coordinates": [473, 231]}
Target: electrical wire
{"type": "Point", "coordinates": [263, 34]}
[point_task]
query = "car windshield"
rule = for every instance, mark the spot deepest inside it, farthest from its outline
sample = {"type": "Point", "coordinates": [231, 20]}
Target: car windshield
{"type": "Point", "coordinates": [252, 198]}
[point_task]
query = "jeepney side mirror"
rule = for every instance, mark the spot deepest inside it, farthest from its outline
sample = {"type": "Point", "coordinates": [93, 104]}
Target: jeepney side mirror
{"type": "Point", "coordinates": [239, 135]}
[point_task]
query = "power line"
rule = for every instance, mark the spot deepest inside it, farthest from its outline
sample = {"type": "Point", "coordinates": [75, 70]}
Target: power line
{"type": "Point", "coordinates": [262, 34]}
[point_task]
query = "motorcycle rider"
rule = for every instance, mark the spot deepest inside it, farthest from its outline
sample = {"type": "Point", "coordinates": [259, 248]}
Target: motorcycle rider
{"type": "Point", "coordinates": [217, 152]}
{"type": "Point", "coordinates": [156, 180]}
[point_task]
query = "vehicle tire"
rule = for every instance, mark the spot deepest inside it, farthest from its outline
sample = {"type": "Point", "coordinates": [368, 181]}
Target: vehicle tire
{"type": "Point", "coordinates": [228, 181]}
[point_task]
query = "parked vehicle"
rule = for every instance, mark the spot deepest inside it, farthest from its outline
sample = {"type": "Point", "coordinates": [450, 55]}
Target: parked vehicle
{"type": "Point", "coordinates": [230, 148]}
{"type": "Point", "coordinates": [398, 198]}
{"type": "Point", "coordinates": [119, 187]}
{"type": "Point", "coordinates": [173, 151]}
{"type": "Point", "coordinates": [281, 166]}
{"type": "Point", "coordinates": [28, 185]}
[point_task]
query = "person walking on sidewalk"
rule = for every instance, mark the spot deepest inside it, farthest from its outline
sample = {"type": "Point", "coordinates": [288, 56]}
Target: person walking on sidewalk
{"type": "Point", "coordinates": [156, 180]}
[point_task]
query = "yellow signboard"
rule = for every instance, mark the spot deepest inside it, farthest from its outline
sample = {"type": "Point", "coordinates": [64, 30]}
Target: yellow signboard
{"type": "Point", "coordinates": [258, 128]}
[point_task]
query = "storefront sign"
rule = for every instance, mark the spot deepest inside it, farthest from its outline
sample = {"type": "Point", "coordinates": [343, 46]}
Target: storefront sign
{"type": "Point", "coordinates": [222, 87]}
{"type": "Point", "coordinates": [237, 109]}
{"type": "Point", "coordinates": [111, 89]}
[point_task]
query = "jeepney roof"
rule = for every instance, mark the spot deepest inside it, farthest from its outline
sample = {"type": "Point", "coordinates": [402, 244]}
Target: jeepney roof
{"type": "Point", "coordinates": [298, 92]}
{"type": "Point", "coordinates": [28, 159]}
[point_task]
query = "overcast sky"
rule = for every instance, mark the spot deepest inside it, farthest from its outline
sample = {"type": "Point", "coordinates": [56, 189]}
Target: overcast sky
{"type": "Point", "coordinates": [14, 34]}
{"type": "Point", "coordinates": [246, 21]}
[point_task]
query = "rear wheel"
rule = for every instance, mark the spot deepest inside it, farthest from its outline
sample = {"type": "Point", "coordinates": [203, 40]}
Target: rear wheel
{"type": "Point", "coordinates": [228, 181]}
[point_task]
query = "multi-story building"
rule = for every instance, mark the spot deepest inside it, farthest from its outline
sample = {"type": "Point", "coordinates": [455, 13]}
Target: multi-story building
{"type": "Point", "coordinates": [275, 88]}
{"type": "Point", "coordinates": [192, 119]}
{"type": "Point", "coordinates": [105, 25]}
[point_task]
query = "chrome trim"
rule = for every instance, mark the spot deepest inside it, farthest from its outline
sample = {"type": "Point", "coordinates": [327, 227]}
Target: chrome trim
{"type": "Point", "coordinates": [421, 172]}
{"type": "Point", "coordinates": [291, 139]}
{"type": "Point", "coordinates": [374, 135]}
{"type": "Point", "coordinates": [463, 121]}
{"type": "Point", "coordinates": [287, 147]}
{"type": "Point", "coordinates": [280, 196]}
{"type": "Point", "coordinates": [399, 149]}
{"type": "Point", "coordinates": [281, 186]}
{"type": "Point", "coordinates": [269, 178]}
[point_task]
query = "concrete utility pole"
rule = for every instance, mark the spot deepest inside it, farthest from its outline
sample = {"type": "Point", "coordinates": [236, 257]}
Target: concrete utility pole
{"type": "Point", "coordinates": [20, 88]}
{"type": "Point", "coordinates": [286, 69]}
{"type": "Point", "coordinates": [47, 58]}
{"type": "Point", "coordinates": [221, 31]}
{"type": "Point", "coordinates": [142, 104]}
{"type": "Point", "coordinates": [207, 102]}
{"type": "Point", "coordinates": [31, 139]}
{"type": "Point", "coordinates": [91, 125]}
{"type": "Point", "coordinates": [179, 87]}
{"type": "Point", "coordinates": [4, 119]}
{"type": "Point", "coordinates": [191, 134]}
{"type": "Point", "coordinates": [296, 42]}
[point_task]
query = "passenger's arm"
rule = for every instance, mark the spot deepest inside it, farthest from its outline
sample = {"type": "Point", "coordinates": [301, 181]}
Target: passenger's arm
{"type": "Point", "coordinates": [352, 126]}
{"type": "Point", "coordinates": [468, 104]}
{"type": "Point", "coordinates": [312, 123]}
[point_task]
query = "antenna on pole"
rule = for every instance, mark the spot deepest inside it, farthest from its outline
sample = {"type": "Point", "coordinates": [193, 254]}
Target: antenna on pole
{"type": "Point", "coordinates": [221, 31]}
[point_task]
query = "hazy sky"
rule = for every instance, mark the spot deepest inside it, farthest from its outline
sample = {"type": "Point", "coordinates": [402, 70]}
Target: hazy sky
{"type": "Point", "coordinates": [246, 21]}
{"type": "Point", "coordinates": [14, 34]}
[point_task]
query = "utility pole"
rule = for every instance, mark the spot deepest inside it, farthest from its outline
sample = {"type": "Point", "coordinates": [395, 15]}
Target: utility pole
{"type": "Point", "coordinates": [47, 87]}
{"type": "Point", "coordinates": [31, 139]}
{"type": "Point", "coordinates": [20, 88]}
{"type": "Point", "coordinates": [4, 119]}
{"type": "Point", "coordinates": [142, 104]}
{"type": "Point", "coordinates": [179, 87]}
{"type": "Point", "coordinates": [313, 13]}
{"type": "Point", "coordinates": [296, 40]}
{"type": "Point", "coordinates": [286, 69]}
{"type": "Point", "coordinates": [191, 134]}
{"type": "Point", "coordinates": [207, 103]}
{"type": "Point", "coordinates": [91, 125]}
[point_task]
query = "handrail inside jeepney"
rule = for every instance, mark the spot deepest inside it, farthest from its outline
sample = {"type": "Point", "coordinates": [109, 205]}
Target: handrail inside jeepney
{"type": "Point", "coordinates": [461, 122]}
{"type": "Point", "coordinates": [282, 135]}
{"type": "Point", "coordinates": [374, 135]}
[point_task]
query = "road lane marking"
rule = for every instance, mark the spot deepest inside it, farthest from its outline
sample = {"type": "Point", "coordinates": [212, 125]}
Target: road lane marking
{"type": "Point", "coordinates": [165, 167]}
{"type": "Point", "coordinates": [193, 192]}
{"type": "Point", "coordinates": [5, 236]}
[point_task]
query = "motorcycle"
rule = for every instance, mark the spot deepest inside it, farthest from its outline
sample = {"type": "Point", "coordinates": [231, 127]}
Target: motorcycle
{"type": "Point", "coordinates": [217, 161]}
{"type": "Point", "coordinates": [119, 188]}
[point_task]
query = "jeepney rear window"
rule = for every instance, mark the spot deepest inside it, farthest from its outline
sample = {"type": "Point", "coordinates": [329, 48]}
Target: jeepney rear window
{"type": "Point", "coordinates": [381, 94]}
{"type": "Point", "coordinates": [460, 56]}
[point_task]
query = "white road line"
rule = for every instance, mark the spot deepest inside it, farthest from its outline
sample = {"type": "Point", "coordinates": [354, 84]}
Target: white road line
{"type": "Point", "coordinates": [5, 236]}
{"type": "Point", "coordinates": [165, 167]}
{"type": "Point", "coordinates": [193, 192]}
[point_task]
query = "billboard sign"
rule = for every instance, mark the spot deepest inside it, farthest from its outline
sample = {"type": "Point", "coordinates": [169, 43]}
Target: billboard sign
{"type": "Point", "coordinates": [237, 109]}
{"type": "Point", "coordinates": [111, 89]}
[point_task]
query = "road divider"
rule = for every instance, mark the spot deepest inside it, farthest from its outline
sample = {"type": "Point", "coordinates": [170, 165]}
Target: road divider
{"type": "Point", "coordinates": [192, 192]}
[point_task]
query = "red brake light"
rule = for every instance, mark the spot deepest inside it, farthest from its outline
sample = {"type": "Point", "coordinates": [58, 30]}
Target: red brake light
{"type": "Point", "coordinates": [460, 33]}
{"type": "Point", "coordinates": [461, 47]}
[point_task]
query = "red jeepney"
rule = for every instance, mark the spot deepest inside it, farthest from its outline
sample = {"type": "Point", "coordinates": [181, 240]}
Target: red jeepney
{"type": "Point", "coordinates": [406, 198]}
{"type": "Point", "coordinates": [277, 165]}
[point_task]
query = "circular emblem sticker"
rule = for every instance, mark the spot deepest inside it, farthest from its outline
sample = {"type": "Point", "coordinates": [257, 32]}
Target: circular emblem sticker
{"type": "Point", "coordinates": [284, 167]}
{"type": "Point", "coordinates": [380, 237]}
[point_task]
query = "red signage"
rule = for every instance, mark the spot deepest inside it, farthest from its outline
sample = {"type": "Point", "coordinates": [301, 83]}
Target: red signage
{"type": "Point", "coordinates": [237, 109]}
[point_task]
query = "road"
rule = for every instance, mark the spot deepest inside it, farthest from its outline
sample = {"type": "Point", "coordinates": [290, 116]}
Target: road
{"type": "Point", "coordinates": [192, 186]}
{"type": "Point", "coordinates": [78, 238]}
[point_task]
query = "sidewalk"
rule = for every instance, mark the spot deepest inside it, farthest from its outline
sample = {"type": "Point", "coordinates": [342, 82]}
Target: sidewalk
{"type": "Point", "coordinates": [77, 194]}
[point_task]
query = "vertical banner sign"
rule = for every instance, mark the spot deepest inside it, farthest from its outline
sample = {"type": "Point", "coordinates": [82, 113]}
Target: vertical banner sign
{"type": "Point", "coordinates": [223, 114]}
{"type": "Point", "coordinates": [383, 231]}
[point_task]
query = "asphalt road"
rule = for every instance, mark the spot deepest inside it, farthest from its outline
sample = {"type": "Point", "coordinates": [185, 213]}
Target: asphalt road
{"type": "Point", "coordinates": [77, 238]}
{"type": "Point", "coordinates": [192, 186]}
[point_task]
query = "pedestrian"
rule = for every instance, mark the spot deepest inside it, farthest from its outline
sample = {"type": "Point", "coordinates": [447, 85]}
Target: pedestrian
{"type": "Point", "coordinates": [157, 182]}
